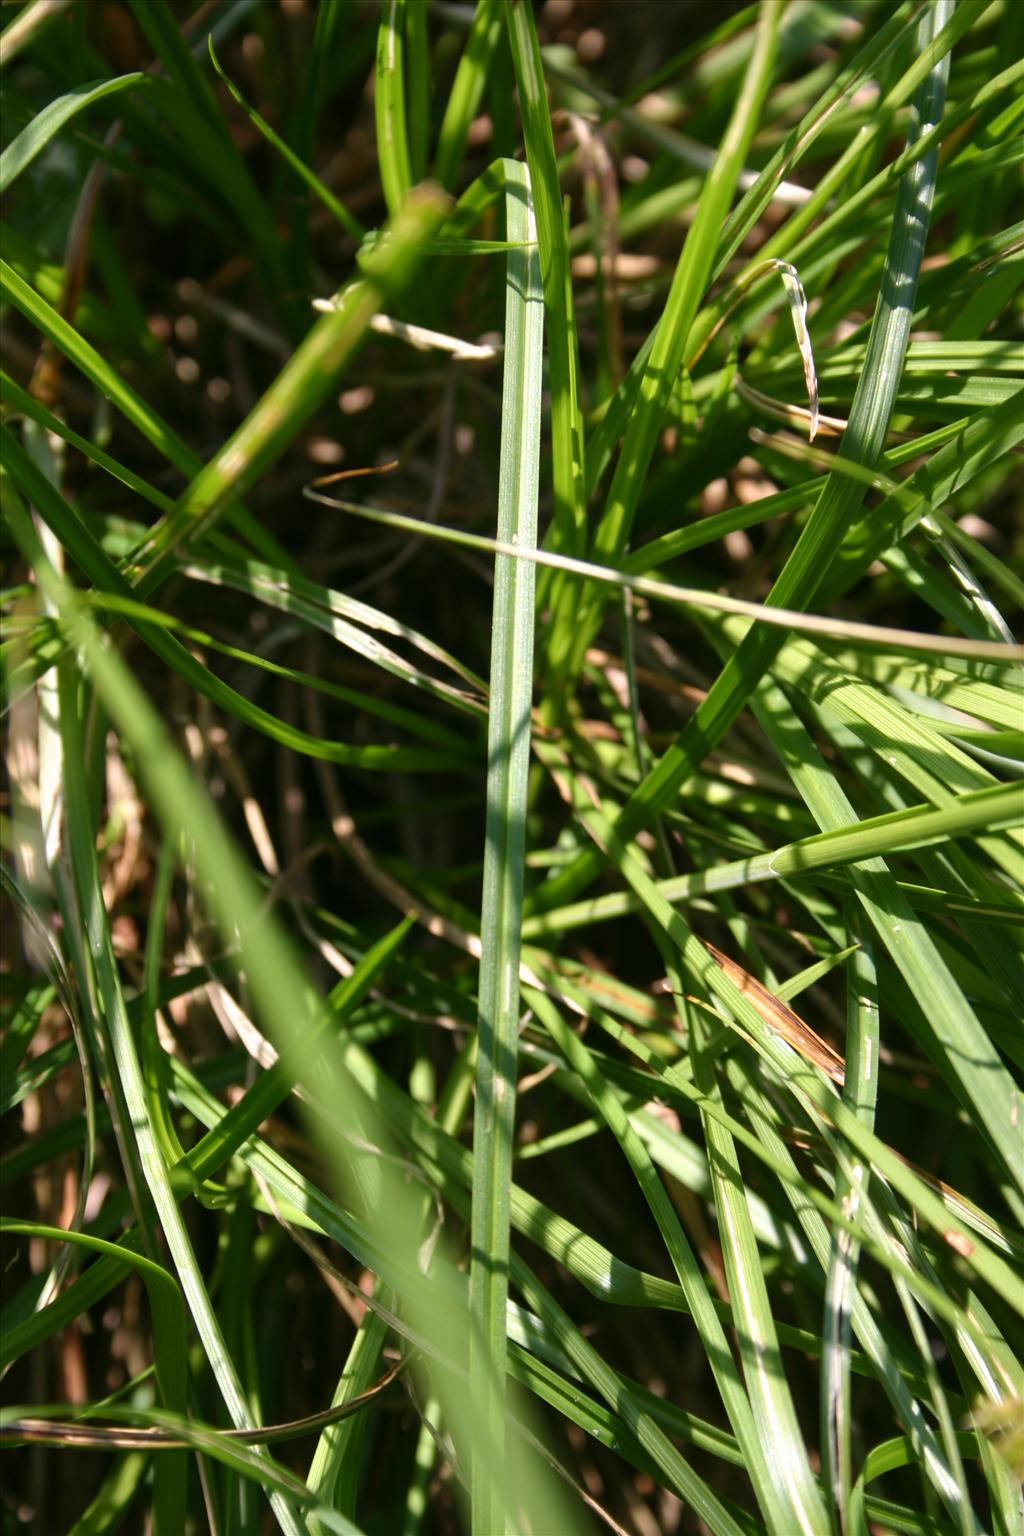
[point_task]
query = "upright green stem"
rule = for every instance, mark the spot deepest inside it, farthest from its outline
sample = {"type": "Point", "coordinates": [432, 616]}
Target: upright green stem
{"type": "Point", "coordinates": [507, 769]}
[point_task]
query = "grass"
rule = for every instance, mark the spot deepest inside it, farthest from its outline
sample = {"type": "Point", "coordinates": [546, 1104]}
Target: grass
{"type": "Point", "coordinates": [512, 979]}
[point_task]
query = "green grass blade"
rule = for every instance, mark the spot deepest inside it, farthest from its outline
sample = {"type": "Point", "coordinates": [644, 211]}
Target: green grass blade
{"type": "Point", "coordinates": [805, 570]}
{"type": "Point", "coordinates": [894, 831]}
{"type": "Point", "coordinates": [351, 622]}
{"type": "Point", "coordinates": [107, 1512]}
{"type": "Point", "coordinates": [299, 388]}
{"type": "Point", "coordinates": [389, 106]}
{"type": "Point", "coordinates": [21, 1023]}
{"type": "Point", "coordinates": [289, 1496]}
{"type": "Point", "coordinates": [776, 1509]}
{"type": "Point", "coordinates": [417, 44]}
{"type": "Point", "coordinates": [788, 619]}
{"type": "Point", "coordinates": [285, 1002]}
{"type": "Point", "coordinates": [890, 1369]}
{"type": "Point", "coordinates": [754, 1236]}
{"type": "Point", "coordinates": [903, 22]}
{"type": "Point", "coordinates": [862, 444]}
{"type": "Point", "coordinates": [688, 284]}
{"type": "Point", "coordinates": [508, 756]}
{"type": "Point", "coordinates": [467, 91]}
{"type": "Point", "coordinates": [165, 1299]}
{"type": "Point", "coordinates": [190, 106]}
{"type": "Point", "coordinates": [672, 1466]}
{"type": "Point", "coordinates": [32, 140]}
{"type": "Point", "coordinates": [20, 402]}
{"type": "Point", "coordinates": [983, 1068]}
{"type": "Point", "coordinates": [301, 169]}
{"type": "Point", "coordinates": [566, 408]}
{"type": "Point", "coordinates": [334, 1469]}
{"type": "Point", "coordinates": [273, 1086]}
{"type": "Point", "coordinates": [953, 1037]}
{"type": "Point", "coordinates": [791, 1501]}
{"type": "Point", "coordinates": [861, 1091]}
{"type": "Point", "coordinates": [112, 386]}
{"type": "Point", "coordinates": [81, 547]}
{"type": "Point", "coordinates": [125, 1063]}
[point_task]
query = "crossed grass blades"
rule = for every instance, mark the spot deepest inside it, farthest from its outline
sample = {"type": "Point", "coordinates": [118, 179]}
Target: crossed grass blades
{"type": "Point", "coordinates": [512, 980]}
